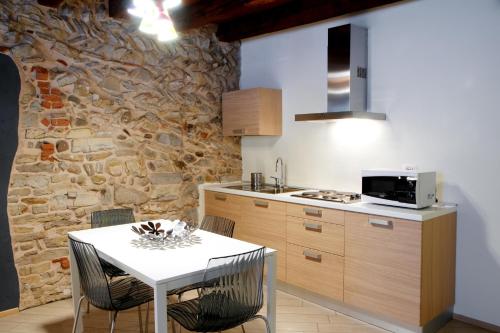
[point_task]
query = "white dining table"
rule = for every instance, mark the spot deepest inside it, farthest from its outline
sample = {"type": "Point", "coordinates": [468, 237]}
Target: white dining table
{"type": "Point", "coordinates": [166, 267]}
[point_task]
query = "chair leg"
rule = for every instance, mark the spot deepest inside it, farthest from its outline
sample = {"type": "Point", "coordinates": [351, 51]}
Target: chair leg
{"type": "Point", "coordinates": [77, 313]}
{"type": "Point", "coordinates": [140, 318]}
{"type": "Point", "coordinates": [268, 329]}
{"type": "Point", "coordinates": [147, 318]}
{"type": "Point", "coordinates": [113, 322]}
{"type": "Point", "coordinates": [243, 328]}
{"type": "Point", "coordinates": [173, 325]}
{"type": "Point", "coordinates": [88, 306]}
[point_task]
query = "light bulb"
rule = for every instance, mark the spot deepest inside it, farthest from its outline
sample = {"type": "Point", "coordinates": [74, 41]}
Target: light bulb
{"type": "Point", "coordinates": [168, 4]}
{"type": "Point", "coordinates": [166, 30]}
{"type": "Point", "coordinates": [149, 26]}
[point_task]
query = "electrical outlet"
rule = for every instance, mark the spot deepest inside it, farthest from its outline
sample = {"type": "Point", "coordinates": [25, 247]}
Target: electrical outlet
{"type": "Point", "coordinates": [410, 167]}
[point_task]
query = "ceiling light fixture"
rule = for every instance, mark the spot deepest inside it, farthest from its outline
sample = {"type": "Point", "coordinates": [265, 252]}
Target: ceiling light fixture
{"type": "Point", "coordinates": [155, 19]}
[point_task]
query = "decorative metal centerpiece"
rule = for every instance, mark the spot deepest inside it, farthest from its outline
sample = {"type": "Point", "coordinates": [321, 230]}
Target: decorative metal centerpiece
{"type": "Point", "coordinates": [170, 230]}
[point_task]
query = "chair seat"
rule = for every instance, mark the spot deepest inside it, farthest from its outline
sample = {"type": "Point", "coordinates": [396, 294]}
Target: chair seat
{"type": "Point", "coordinates": [129, 292]}
{"type": "Point", "coordinates": [111, 270]}
{"type": "Point", "coordinates": [198, 285]}
{"type": "Point", "coordinates": [218, 318]}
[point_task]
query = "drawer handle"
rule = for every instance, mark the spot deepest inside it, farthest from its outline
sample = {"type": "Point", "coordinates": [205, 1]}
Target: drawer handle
{"type": "Point", "coordinates": [310, 255]}
{"type": "Point", "coordinates": [381, 223]}
{"type": "Point", "coordinates": [313, 227]}
{"type": "Point", "coordinates": [313, 212]}
{"type": "Point", "coordinates": [220, 197]}
{"type": "Point", "coordinates": [263, 204]}
{"type": "Point", "coordinates": [239, 131]}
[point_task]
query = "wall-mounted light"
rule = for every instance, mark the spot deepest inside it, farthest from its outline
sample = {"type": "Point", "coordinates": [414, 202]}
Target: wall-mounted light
{"type": "Point", "coordinates": [155, 19]}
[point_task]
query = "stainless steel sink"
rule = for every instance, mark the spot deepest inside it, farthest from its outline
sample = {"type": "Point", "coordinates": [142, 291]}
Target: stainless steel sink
{"type": "Point", "coordinates": [270, 189]}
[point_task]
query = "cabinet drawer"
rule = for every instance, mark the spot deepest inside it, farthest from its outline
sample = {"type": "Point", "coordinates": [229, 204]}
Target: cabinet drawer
{"type": "Point", "coordinates": [224, 205]}
{"type": "Point", "coordinates": [263, 222]}
{"type": "Point", "coordinates": [319, 235]}
{"type": "Point", "coordinates": [316, 213]}
{"type": "Point", "coordinates": [317, 271]}
{"type": "Point", "coordinates": [382, 266]}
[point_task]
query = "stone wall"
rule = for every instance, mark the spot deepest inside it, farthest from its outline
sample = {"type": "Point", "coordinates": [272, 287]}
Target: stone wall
{"type": "Point", "coordinates": [108, 118]}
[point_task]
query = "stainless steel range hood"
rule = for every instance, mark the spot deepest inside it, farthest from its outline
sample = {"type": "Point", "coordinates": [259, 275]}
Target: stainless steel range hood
{"type": "Point", "coordinates": [347, 62]}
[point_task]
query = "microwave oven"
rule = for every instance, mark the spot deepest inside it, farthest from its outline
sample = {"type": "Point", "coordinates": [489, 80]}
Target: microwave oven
{"type": "Point", "coordinates": [401, 188]}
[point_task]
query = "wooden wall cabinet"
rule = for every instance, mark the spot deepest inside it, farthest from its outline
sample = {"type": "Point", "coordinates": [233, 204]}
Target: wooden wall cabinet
{"type": "Point", "coordinates": [255, 111]}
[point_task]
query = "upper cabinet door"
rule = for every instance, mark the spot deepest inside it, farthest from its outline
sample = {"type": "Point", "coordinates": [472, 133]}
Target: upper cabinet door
{"type": "Point", "coordinates": [255, 111]}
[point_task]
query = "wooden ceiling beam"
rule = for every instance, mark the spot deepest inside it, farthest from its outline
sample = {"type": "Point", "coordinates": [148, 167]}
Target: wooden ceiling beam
{"type": "Point", "coordinates": [200, 13]}
{"type": "Point", "coordinates": [291, 14]}
{"type": "Point", "coordinates": [50, 3]}
{"type": "Point", "coordinates": [118, 8]}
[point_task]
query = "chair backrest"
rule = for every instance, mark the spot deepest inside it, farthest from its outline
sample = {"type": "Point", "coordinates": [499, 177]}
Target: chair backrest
{"type": "Point", "coordinates": [92, 278]}
{"type": "Point", "coordinates": [233, 290]}
{"type": "Point", "coordinates": [218, 225]}
{"type": "Point", "coordinates": [107, 218]}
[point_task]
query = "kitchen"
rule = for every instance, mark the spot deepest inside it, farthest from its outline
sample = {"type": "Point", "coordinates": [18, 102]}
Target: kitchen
{"type": "Point", "coordinates": [432, 70]}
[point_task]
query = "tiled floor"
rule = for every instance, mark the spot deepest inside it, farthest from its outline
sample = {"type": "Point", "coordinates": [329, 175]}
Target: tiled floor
{"type": "Point", "coordinates": [294, 315]}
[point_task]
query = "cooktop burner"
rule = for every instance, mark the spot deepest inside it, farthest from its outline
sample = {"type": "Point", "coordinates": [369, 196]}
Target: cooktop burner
{"type": "Point", "coordinates": [330, 195]}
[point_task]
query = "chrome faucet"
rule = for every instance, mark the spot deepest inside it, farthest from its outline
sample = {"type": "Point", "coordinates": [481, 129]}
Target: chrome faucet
{"type": "Point", "coordinates": [280, 181]}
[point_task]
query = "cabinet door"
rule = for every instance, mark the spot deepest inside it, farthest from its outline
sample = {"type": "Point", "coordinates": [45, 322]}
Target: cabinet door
{"type": "Point", "coordinates": [224, 205]}
{"type": "Point", "coordinates": [264, 222]}
{"type": "Point", "coordinates": [255, 111]}
{"type": "Point", "coordinates": [382, 266]}
{"type": "Point", "coordinates": [314, 270]}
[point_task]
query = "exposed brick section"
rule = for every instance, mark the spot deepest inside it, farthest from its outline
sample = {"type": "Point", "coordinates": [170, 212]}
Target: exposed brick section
{"type": "Point", "coordinates": [63, 261]}
{"type": "Point", "coordinates": [59, 122]}
{"type": "Point", "coordinates": [47, 151]}
{"type": "Point", "coordinates": [45, 122]}
{"type": "Point", "coordinates": [57, 105]}
{"type": "Point", "coordinates": [51, 98]}
{"type": "Point", "coordinates": [40, 73]}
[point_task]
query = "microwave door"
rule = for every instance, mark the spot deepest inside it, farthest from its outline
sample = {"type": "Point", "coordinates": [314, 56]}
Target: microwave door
{"type": "Point", "coordinates": [391, 188]}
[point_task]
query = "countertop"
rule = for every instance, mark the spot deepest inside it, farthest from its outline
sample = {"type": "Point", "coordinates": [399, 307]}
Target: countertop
{"type": "Point", "coordinates": [358, 207]}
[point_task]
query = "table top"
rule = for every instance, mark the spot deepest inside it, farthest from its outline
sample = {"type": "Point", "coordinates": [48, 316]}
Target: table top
{"type": "Point", "coordinates": [155, 263]}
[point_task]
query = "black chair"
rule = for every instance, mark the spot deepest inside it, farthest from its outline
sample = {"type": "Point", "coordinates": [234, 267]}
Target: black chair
{"type": "Point", "coordinates": [108, 218]}
{"type": "Point", "coordinates": [116, 296]}
{"type": "Point", "coordinates": [231, 296]}
{"type": "Point", "coordinates": [216, 224]}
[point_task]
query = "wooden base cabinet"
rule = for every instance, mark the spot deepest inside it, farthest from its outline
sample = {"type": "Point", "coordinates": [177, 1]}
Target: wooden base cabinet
{"type": "Point", "coordinates": [317, 271]}
{"type": "Point", "coordinates": [264, 222]}
{"type": "Point", "coordinates": [315, 249]}
{"type": "Point", "coordinates": [224, 205]}
{"type": "Point", "coordinates": [397, 268]}
{"type": "Point", "coordinates": [400, 270]}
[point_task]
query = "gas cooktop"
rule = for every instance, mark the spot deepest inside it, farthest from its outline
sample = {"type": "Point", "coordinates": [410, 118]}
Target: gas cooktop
{"type": "Point", "coordinates": [330, 195]}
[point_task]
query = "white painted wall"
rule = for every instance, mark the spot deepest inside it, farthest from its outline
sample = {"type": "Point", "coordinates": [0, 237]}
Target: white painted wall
{"type": "Point", "coordinates": [434, 68]}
